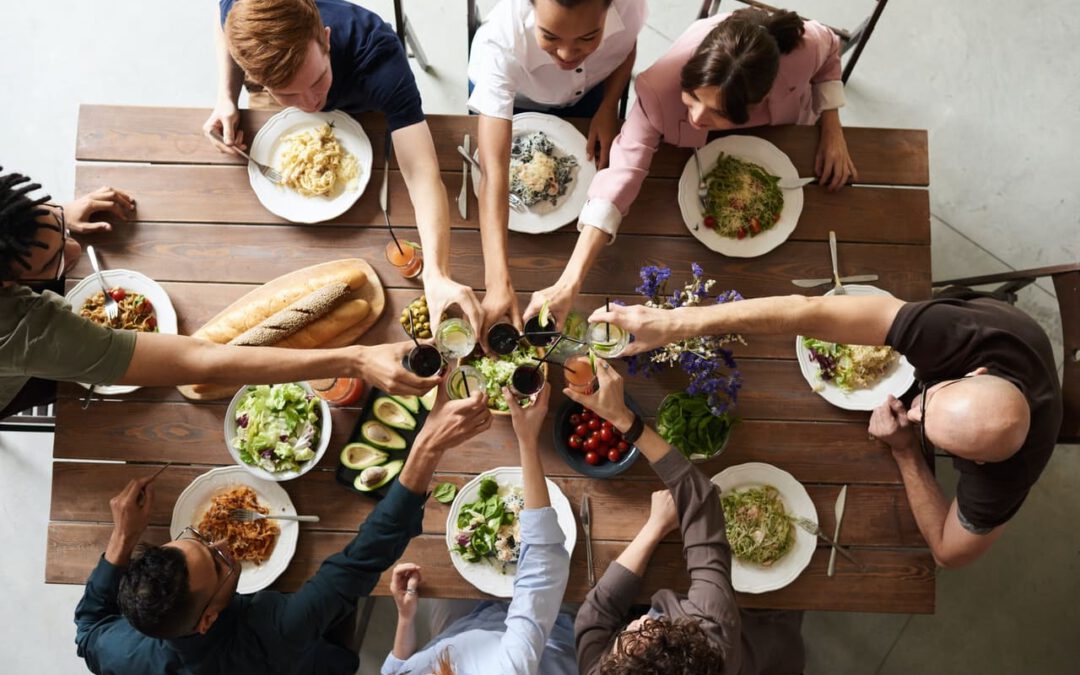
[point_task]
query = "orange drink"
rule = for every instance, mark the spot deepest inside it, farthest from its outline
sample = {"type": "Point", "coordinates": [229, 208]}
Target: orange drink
{"type": "Point", "coordinates": [408, 260]}
{"type": "Point", "coordinates": [579, 373]}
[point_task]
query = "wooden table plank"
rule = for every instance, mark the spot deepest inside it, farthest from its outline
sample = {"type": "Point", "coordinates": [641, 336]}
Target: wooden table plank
{"type": "Point", "coordinates": [174, 135]}
{"type": "Point", "coordinates": [892, 581]}
{"type": "Point", "coordinates": [878, 514]}
{"type": "Point", "coordinates": [256, 254]}
{"type": "Point", "coordinates": [221, 194]}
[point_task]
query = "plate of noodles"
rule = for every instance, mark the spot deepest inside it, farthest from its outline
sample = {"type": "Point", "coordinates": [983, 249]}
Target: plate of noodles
{"type": "Point", "coordinates": [548, 172]}
{"type": "Point", "coordinates": [263, 548]}
{"type": "Point", "coordinates": [144, 307]}
{"type": "Point", "coordinates": [854, 377]}
{"type": "Point", "coordinates": [325, 159]}
{"type": "Point", "coordinates": [768, 551]}
{"type": "Point", "coordinates": [748, 214]}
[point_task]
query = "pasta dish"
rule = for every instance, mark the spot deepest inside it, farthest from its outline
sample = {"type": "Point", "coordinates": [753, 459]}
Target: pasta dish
{"type": "Point", "coordinates": [850, 367]}
{"type": "Point", "coordinates": [136, 311]}
{"type": "Point", "coordinates": [252, 541]}
{"type": "Point", "coordinates": [743, 198]}
{"type": "Point", "coordinates": [536, 173]}
{"type": "Point", "coordinates": [758, 529]}
{"type": "Point", "coordinates": [313, 162]}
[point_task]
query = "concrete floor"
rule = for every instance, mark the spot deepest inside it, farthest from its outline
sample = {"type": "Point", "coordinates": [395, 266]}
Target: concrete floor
{"type": "Point", "coordinates": [991, 83]}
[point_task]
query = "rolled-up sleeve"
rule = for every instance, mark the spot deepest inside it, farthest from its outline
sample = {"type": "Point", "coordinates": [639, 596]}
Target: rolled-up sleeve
{"type": "Point", "coordinates": [826, 85]}
{"type": "Point", "coordinates": [542, 573]}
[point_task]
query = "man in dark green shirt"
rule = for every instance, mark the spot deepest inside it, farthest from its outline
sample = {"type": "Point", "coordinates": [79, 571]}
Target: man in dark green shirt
{"type": "Point", "coordinates": [184, 593]}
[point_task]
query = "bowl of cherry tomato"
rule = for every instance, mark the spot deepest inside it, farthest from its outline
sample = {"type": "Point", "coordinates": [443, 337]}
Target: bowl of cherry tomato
{"type": "Point", "coordinates": [589, 444]}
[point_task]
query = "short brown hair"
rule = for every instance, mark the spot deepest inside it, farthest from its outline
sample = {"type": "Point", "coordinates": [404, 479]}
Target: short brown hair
{"type": "Point", "coordinates": [741, 55]}
{"type": "Point", "coordinates": [269, 38]}
{"type": "Point", "coordinates": [665, 647]}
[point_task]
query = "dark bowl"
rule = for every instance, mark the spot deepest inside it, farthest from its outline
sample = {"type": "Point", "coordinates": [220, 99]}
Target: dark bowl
{"type": "Point", "coordinates": [575, 459]}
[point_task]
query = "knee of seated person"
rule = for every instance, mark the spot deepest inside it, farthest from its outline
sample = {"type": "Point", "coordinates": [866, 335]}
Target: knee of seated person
{"type": "Point", "coordinates": [661, 647]}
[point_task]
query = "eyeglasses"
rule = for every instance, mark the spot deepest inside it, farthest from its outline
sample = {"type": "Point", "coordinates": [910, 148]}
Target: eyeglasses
{"type": "Point", "coordinates": [190, 533]}
{"type": "Point", "coordinates": [58, 258]}
{"type": "Point", "coordinates": [924, 443]}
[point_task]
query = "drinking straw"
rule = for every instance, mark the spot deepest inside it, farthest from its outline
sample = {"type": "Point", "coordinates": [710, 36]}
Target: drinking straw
{"type": "Point", "coordinates": [465, 381]}
{"type": "Point", "coordinates": [607, 326]}
{"type": "Point", "coordinates": [412, 330]}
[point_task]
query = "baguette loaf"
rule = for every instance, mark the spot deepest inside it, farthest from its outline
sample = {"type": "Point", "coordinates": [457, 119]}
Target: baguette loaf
{"type": "Point", "coordinates": [344, 316]}
{"type": "Point", "coordinates": [223, 328]}
{"type": "Point", "coordinates": [293, 318]}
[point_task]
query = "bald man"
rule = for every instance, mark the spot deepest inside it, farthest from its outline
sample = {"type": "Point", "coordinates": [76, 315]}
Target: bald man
{"type": "Point", "coordinates": [989, 394]}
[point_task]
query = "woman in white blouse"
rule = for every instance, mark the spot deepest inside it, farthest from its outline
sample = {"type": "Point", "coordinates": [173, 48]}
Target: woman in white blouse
{"type": "Point", "coordinates": [570, 58]}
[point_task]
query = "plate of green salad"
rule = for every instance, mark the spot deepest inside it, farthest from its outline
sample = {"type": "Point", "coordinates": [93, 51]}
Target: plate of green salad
{"type": "Point", "coordinates": [760, 502]}
{"type": "Point", "coordinates": [483, 528]}
{"type": "Point", "coordinates": [277, 432]}
{"type": "Point", "coordinates": [497, 370]}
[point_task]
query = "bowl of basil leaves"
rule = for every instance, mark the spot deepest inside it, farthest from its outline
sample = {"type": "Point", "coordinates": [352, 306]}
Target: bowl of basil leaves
{"type": "Point", "coordinates": [687, 423]}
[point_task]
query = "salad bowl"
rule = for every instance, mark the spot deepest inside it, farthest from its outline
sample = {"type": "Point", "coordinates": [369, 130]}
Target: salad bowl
{"type": "Point", "coordinates": [232, 431]}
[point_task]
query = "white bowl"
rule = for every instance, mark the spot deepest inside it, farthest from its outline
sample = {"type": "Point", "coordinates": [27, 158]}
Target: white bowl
{"type": "Point", "coordinates": [324, 438]}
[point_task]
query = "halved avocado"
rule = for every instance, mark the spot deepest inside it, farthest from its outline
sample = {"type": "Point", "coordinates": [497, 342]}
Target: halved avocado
{"type": "Point", "coordinates": [360, 456]}
{"type": "Point", "coordinates": [389, 470]}
{"type": "Point", "coordinates": [428, 399]}
{"type": "Point", "coordinates": [382, 436]}
{"type": "Point", "coordinates": [410, 402]}
{"type": "Point", "coordinates": [393, 414]}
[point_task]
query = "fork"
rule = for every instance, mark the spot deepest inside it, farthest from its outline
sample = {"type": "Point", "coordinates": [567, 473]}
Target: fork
{"type": "Point", "coordinates": [112, 309]}
{"type": "Point", "coordinates": [838, 289]}
{"type": "Point", "coordinates": [249, 516]}
{"type": "Point", "coordinates": [812, 527]}
{"type": "Point", "coordinates": [513, 199]}
{"type": "Point", "coordinates": [702, 188]}
{"type": "Point", "coordinates": [270, 173]}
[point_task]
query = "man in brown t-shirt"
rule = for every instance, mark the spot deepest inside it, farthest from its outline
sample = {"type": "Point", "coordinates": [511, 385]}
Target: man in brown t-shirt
{"type": "Point", "coordinates": [990, 395]}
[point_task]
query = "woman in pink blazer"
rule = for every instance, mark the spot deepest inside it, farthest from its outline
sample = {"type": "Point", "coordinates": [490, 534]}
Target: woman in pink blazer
{"type": "Point", "coordinates": [731, 71]}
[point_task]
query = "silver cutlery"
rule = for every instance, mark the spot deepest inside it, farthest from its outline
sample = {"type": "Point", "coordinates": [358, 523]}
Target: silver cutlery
{"type": "Point", "coordinates": [586, 524]}
{"type": "Point", "coordinates": [463, 197]}
{"type": "Point", "coordinates": [513, 199]}
{"type": "Point", "coordinates": [838, 289]}
{"type": "Point", "coordinates": [112, 309]}
{"type": "Point", "coordinates": [702, 188]}
{"type": "Point", "coordinates": [856, 279]}
{"type": "Point", "coordinates": [795, 183]}
{"type": "Point", "coordinates": [249, 516]}
{"type": "Point", "coordinates": [812, 527]}
{"type": "Point", "coordinates": [840, 502]}
{"type": "Point", "coordinates": [270, 173]}
{"type": "Point", "coordinates": [384, 190]}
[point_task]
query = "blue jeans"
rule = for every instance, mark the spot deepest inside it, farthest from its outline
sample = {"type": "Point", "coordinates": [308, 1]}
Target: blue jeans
{"type": "Point", "coordinates": [586, 107]}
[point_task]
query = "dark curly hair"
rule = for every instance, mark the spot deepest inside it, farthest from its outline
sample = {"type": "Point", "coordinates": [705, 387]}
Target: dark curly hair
{"type": "Point", "coordinates": [154, 595]}
{"type": "Point", "coordinates": [665, 647]}
{"type": "Point", "coordinates": [741, 55]}
{"type": "Point", "coordinates": [18, 223]}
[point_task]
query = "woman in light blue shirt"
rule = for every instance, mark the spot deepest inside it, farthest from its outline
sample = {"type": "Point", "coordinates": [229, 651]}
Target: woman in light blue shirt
{"type": "Point", "coordinates": [524, 637]}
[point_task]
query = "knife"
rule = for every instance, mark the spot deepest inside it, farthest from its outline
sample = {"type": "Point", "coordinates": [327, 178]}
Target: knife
{"type": "Point", "coordinates": [840, 502]}
{"type": "Point", "coordinates": [463, 197]}
{"type": "Point", "coordinates": [810, 283]}
{"type": "Point", "coordinates": [586, 524]}
{"type": "Point", "coordinates": [388, 149]}
{"type": "Point", "coordinates": [795, 183]}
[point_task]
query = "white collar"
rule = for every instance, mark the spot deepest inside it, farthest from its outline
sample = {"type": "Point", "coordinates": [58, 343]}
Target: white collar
{"type": "Point", "coordinates": [536, 57]}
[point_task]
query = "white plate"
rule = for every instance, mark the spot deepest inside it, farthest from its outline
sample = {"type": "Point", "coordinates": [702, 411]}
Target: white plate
{"type": "Point", "coordinates": [750, 578]}
{"type": "Point", "coordinates": [484, 576]}
{"type": "Point", "coordinates": [897, 380]}
{"type": "Point", "coordinates": [132, 281]}
{"type": "Point", "coordinates": [750, 149]}
{"type": "Point", "coordinates": [195, 499]}
{"type": "Point", "coordinates": [288, 203]}
{"type": "Point", "coordinates": [280, 476]}
{"type": "Point", "coordinates": [543, 217]}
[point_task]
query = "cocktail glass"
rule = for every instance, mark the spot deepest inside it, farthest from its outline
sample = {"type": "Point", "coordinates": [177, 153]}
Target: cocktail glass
{"type": "Point", "coordinates": [463, 382]}
{"type": "Point", "coordinates": [455, 338]}
{"type": "Point", "coordinates": [407, 260]}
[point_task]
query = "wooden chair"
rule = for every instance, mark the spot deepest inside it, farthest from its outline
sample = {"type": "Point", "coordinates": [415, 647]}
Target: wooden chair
{"type": "Point", "coordinates": [1066, 280]}
{"type": "Point", "coordinates": [38, 418]}
{"type": "Point", "coordinates": [856, 38]}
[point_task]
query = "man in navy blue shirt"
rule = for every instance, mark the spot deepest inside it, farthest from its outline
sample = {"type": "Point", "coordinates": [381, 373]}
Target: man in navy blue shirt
{"type": "Point", "coordinates": [174, 608]}
{"type": "Point", "coordinates": [333, 55]}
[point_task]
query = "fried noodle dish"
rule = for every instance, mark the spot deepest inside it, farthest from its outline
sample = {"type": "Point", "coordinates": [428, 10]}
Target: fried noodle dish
{"type": "Point", "coordinates": [758, 528]}
{"type": "Point", "coordinates": [136, 311]}
{"type": "Point", "coordinates": [252, 541]}
{"type": "Point", "coordinates": [313, 162]}
{"type": "Point", "coordinates": [743, 198]}
{"type": "Point", "coordinates": [850, 367]}
{"type": "Point", "coordinates": [536, 173]}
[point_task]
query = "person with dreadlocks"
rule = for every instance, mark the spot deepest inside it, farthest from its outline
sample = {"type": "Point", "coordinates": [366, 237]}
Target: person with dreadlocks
{"type": "Point", "coordinates": [42, 340]}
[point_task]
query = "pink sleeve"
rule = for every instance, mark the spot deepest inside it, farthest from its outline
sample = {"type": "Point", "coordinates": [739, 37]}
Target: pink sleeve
{"type": "Point", "coordinates": [631, 153]}
{"type": "Point", "coordinates": [825, 45]}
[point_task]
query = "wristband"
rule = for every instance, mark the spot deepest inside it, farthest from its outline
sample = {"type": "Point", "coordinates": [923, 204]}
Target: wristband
{"type": "Point", "coordinates": [634, 432]}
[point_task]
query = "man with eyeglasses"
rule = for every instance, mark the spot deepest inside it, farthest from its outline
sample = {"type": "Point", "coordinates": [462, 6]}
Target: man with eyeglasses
{"type": "Point", "coordinates": [174, 608]}
{"type": "Point", "coordinates": [990, 395]}
{"type": "Point", "coordinates": [42, 340]}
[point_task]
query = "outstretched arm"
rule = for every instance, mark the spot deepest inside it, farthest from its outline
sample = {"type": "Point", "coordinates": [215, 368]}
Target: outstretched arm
{"type": "Point", "coordinates": [494, 137]}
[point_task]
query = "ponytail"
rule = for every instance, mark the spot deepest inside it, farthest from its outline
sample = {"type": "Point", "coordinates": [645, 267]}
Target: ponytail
{"type": "Point", "coordinates": [741, 55]}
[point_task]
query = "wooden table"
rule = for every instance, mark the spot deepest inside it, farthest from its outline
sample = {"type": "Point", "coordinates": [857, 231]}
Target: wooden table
{"type": "Point", "coordinates": [204, 236]}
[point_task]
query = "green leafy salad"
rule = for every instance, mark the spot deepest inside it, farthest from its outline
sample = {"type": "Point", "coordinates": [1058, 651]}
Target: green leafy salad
{"type": "Point", "coordinates": [497, 371]}
{"type": "Point", "coordinates": [758, 528]}
{"type": "Point", "coordinates": [686, 422]}
{"type": "Point", "coordinates": [850, 367]}
{"type": "Point", "coordinates": [277, 427]}
{"type": "Point", "coordinates": [488, 529]}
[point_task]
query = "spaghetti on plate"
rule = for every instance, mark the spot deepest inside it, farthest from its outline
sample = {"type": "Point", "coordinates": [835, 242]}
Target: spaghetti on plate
{"type": "Point", "coordinates": [314, 164]}
{"type": "Point", "coordinates": [743, 198]}
{"type": "Point", "coordinates": [252, 541]}
{"type": "Point", "coordinates": [136, 311]}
